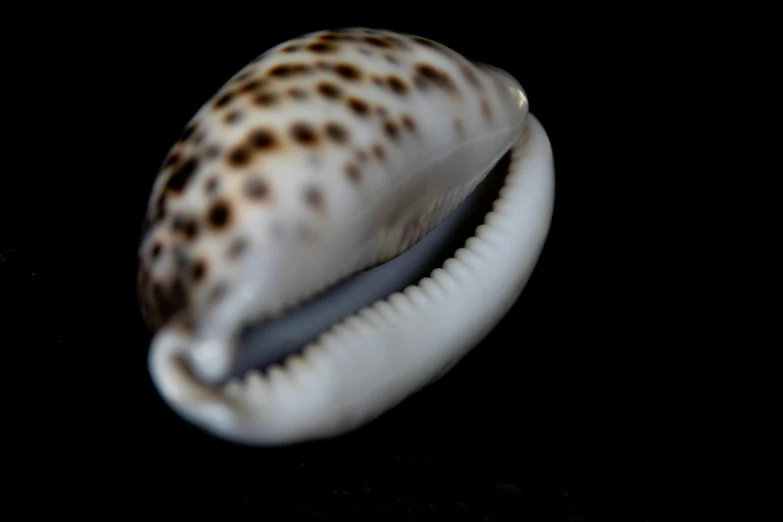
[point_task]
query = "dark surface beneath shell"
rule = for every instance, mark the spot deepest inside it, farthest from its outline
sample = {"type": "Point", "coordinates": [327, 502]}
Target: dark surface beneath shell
{"type": "Point", "coordinates": [272, 341]}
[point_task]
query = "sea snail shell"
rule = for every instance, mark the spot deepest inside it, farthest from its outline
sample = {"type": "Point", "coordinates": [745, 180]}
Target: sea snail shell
{"type": "Point", "coordinates": [338, 153]}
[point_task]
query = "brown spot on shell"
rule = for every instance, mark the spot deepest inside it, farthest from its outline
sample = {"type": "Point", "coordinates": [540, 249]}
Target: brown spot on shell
{"type": "Point", "coordinates": [396, 85]}
{"type": "Point", "coordinates": [281, 71]}
{"type": "Point", "coordinates": [198, 270]}
{"type": "Point", "coordinates": [256, 189]}
{"type": "Point", "coordinates": [391, 59]}
{"type": "Point", "coordinates": [262, 139]}
{"type": "Point", "coordinates": [353, 173]}
{"type": "Point", "coordinates": [408, 122]}
{"type": "Point", "coordinates": [297, 93]}
{"type": "Point", "coordinates": [253, 85]}
{"type": "Point", "coordinates": [391, 130]}
{"type": "Point", "coordinates": [361, 156]}
{"type": "Point", "coordinates": [224, 100]}
{"type": "Point", "coordinates": [180, 178]}
{"type": "Point", "coordinates": [188, 131]}
{"type": "Point", "coordinates": [336, 132]}
{"type": "Point", "coordinates": [379, 151]}
{"type": "Point", "coordinates": [336, 37]}
{"type": "Point", "coordinates": [436, 77]}
{"type": "Point", "coordinates": [399, 42]}
{"type": "Point", "coordinates": [382, 112]}
{"type": "Point", "coordinates": [314, 198]}
{"type": "Point", "coordinates": [172, 159]}
{"type": "Point", "coordinates": [304, 134]}
{"type": "Point", "coordinates": [156, 250]}
{"type": "Point", "coordinates": [486, 110]}
{"type": "Point", "coordinates": [190, 229]}
{"type": "Point", "coordinates": [239, 156]}
{"type": "Point", "coordinates": [321, 47]}
{"type": "Point", "coordinates": [329, 90]}
{"type": "Point", "coordinates": [377, 80]}
{"type": "Point", "coordinates": [265, 99]}
{"type": "Point", "coordinates": [232, 117]}
{"type": "Point", "coordinates": [286, 70]}
{"type": "Point", "coordinates": [185, 226]}
{"type": "Point", "coordinates": [358, 106]}
{"type": "Point", "coordinates": [219, 214]}
{"type": "Point", "coordinates": [291, 48]}
{"type": "Point", "coordinates": [376, 41]}
{"type": "Point", "coordinates": [459, 127]}
{"type": "Point", "coordinates": [347, 71]}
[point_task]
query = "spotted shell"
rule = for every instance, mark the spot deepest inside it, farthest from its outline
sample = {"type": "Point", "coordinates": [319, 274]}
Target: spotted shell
{"type": "Point", "coordinates": [326, 155]}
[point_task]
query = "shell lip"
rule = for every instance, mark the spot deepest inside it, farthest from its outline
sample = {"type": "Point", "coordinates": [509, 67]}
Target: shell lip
{"type": "Point", "coordinates": [271, 339]}
{"type": "Point", "coordinates": [375, 358]}
{"type": "Point", "coordinates": [313, 314]}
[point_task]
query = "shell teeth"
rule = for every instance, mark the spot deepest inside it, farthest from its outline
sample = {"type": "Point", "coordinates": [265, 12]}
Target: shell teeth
{"type": "Point", "coordinates": [476, 245]}
{"type": "Point", "coordinates": [444, 279]}
{"type": "Point", "coordinates": [385, 311]}
{"type": "Point", "coordinates": [329, 346]}
{"type": "Point", "coordinates": [255, 384]}
{"type": "Point", "coordinates": [342, 332]}
{"type": "Point", "coordinates": [490, 234]}
{"type": "Point", "coordinates": [457, 268]}
{"type": "Point", "coordinates": [297, 368]}
{"type": "Point", "coordinates": [399, 303]}
{"type": "Point", "coordinates": [468, 257]}
{"type": "Point", "coordinates": [431, 288]}
{"type": "Point", "coordinates": [276, 375]}
{"type": "Point", "coordinates": [371, 316]}
{"type": "Point", "coordinates": [417, 296]}
{"type": "Point", "coordinates": [233, 388]}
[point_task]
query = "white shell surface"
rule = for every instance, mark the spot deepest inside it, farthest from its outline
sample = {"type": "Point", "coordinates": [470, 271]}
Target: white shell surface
{"type": "Point", "coordinates": [328, 154]}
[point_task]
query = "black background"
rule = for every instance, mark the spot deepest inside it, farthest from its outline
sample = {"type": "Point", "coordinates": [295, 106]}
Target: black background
{"type": "Point", "coordinates": [573, 408]}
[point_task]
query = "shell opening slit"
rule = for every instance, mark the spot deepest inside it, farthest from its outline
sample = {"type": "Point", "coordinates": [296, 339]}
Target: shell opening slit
{"type": "Point", "coordinates": [339, 225]}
